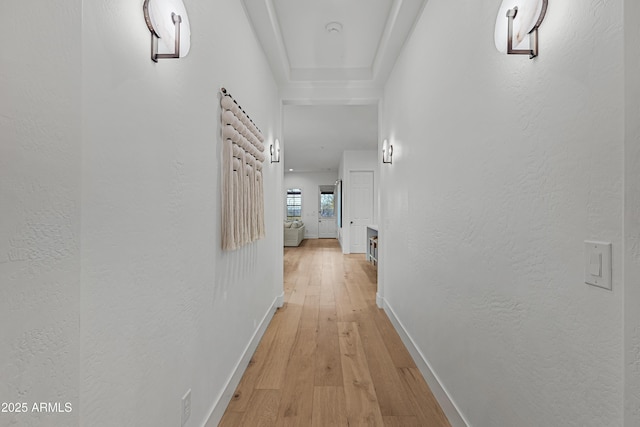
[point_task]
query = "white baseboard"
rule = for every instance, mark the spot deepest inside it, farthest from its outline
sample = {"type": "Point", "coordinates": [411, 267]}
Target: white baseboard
{"type": "Point", "coordinates": [379, 301]}
{"type": "Point", "coordinates": [442, 396]}
{"type": "Point", "coordinates": [216, 413]}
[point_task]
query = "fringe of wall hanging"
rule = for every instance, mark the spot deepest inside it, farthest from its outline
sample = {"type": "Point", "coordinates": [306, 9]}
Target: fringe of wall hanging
{"type": "Point", "coordinates": [242, 185]}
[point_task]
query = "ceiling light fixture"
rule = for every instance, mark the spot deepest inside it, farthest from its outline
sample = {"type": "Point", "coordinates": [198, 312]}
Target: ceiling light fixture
{"type": "Point", "coordinates": [333, 27]}
{"type": "Point", "coordinates": [523, 17]}
{"type": "Point", "coordinates": [169, 25]}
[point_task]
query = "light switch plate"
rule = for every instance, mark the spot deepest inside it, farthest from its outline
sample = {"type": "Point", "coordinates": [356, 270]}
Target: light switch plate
{"type": "Point", "coordinates": [597, 256]}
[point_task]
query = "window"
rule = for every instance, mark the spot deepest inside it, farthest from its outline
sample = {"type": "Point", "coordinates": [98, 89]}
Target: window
{"type": "Point", "coordinates": [294, 203]}
{"type": "Point", "coordinates": [327, 204]}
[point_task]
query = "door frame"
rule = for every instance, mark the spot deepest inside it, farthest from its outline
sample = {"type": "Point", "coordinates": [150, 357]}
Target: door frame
{"type": "Point", "coordinates": [349, 200]}
{"type": "Point", "coordinates": [333, 218]}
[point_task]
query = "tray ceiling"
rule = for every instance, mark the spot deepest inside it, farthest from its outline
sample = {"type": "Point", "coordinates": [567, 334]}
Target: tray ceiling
{"type": "Point", "coordinates": [299, 48]}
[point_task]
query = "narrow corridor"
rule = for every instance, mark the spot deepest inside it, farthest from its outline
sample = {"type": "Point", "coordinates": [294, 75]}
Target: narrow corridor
{"type": "Point", "coordinates": [330, 356]}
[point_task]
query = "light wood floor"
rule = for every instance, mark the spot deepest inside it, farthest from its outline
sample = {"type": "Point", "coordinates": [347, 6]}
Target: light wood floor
{"type": "Point", "coordinates": [330, 357]}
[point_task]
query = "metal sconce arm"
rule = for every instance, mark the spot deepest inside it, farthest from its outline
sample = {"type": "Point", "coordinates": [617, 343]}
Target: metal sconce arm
{"type": "Point", "coordinates": [275, 154]}
{"type": "Point", "coordinates": [533, 37]}
{"type": "Point", "coordinates": [387, 155]}
{"type": "Point", "coordinates": [177, 19]}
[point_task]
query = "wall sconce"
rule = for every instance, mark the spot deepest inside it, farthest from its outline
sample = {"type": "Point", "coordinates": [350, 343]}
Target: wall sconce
{"type": "Point", "coordinates": [387, 152]}
{"type": "Point", "coordinates": [517, 19]}
{"type": "Point", "coordinates": [169, 25]}
{"type": "Point", "coordinates": [275, 151]}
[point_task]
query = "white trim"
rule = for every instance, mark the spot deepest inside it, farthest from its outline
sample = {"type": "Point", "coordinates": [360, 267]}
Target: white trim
{"type": "Point", "coordinates": [379, 300]}
{"type": "Point", "coordinates": [447, 404]}
{"type": "Point", "coordinates": [221, 403]}
{"type": "Point", "coordinates": [279, 302]}
{"type": "Point", "coordinates": [392, 18]}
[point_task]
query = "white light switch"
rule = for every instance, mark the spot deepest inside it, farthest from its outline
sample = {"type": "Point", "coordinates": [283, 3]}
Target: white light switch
{"type": "Point", "coordinates": [597, 264]}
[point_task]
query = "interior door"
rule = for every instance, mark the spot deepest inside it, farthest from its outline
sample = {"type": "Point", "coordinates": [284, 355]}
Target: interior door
{"type": "Point", "coordinates": [360, 209]}
{"type": "Point", "coordinates": [327, 213]}
{"type": "Point", "coordinates": [327, 228]}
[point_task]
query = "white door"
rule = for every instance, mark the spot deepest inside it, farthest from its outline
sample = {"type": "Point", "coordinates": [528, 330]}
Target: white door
{"type": "Point", "coordinates": [360, 209]}
{"type": "Point", "coordinates": [327, 212]}
{"type": "Point", "coordinates": [327, 228]}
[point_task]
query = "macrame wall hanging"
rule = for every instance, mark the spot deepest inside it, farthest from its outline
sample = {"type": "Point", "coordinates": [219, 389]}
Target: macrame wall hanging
{"type": "Point", "coordinates": [242, 185]}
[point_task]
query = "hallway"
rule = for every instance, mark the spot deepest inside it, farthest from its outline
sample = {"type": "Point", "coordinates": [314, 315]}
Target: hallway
{"type": "Point", "coordinates": [330, 356]}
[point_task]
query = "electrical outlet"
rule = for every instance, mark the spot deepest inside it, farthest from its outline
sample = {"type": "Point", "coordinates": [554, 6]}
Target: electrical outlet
{"type": "Point", "coordinates": [186, 407]}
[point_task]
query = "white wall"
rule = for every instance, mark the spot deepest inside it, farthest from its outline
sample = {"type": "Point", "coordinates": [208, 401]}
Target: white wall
{"type": "Point", "coordinates": [502, 167]}
{"type": "Point", "coordinates": [164, 310]}
{"type": "Point", "coordinates": [309, 183]}
{"type": "Point", "coordinates": [356, 161]}
{"type": "Point", "coordinates": [115, 294]}
{"type": "Point", "coordinates": [632, 215]}
{"type": "Point", "coordinates": [40, 162]}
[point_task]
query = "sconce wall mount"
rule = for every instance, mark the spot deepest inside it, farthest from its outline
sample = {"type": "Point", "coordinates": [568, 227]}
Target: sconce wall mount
{"type": "Point", "coordinates": [274, 149]}
{"type": "Point", "coordinates": [168, 23]}
{"type": "Point", "coordinates": [516, 20]}
{"type": "Point", "coordinates": [387, 152]}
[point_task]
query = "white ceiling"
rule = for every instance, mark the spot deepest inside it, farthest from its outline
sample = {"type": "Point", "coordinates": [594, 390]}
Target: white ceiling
{"type": "Point", "coordinates": [316, 68]}
{"type": "Point", "coordinates": [309, 46]}
{"type": "Point", "coordinates": [316, 135]}
{"type": "Point", "coordinates": [299, 49]}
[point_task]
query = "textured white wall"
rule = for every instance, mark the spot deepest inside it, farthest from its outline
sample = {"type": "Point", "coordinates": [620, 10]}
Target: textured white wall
{"type": "Point", "coordinates": [356, 161]}
{"type": "Point", "coordinates": [632, 214]}
{"type": "Point", "coordinates": [163, 309]}
{"type": "Point", "coordinates": [39, 208]}
{"type": "Point", "coordinates": [308, 182]}
{"type": "Point", "coordinates": [502, 167]}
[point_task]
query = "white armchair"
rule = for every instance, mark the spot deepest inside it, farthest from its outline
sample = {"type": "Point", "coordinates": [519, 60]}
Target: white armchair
{"type": "Point", "coordinates": [293, 233]}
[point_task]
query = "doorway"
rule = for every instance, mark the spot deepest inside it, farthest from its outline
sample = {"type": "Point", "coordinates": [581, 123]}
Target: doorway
{"type": "Point", "coordinates": [327, 212]}
{"type": "Point", "coordinates": [360, 209]}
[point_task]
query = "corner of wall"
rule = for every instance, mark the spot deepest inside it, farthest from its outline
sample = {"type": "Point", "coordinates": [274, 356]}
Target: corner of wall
{"type": "Point", "coordinates": [221, 403]}
{"type": "Point", "coordinates": [632, 217]}
{"type": "Point", "coordinates": [454, 415]}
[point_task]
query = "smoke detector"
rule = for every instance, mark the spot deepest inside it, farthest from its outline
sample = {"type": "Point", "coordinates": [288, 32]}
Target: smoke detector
{"type": "Point", "coordinates": [333, 27]}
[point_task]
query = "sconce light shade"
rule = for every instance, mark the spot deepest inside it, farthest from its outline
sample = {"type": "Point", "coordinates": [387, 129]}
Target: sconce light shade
{"type": "Point", "coordinates": [275, 151]}
{"type": "Point", "coordinates": [516, 20]}
{"type": "Point", "coordinates": [170, 30]}
{"type": "Point", "coordinates": [387, 152]}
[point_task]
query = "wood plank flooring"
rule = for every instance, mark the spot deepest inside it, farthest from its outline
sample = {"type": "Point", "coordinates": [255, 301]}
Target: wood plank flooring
{"type": "Point", "coordinates": [330, 357]}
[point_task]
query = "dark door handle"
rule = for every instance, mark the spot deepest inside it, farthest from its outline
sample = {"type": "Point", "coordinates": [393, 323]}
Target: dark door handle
{"type": "Point", "coordinates": [351, 222]}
